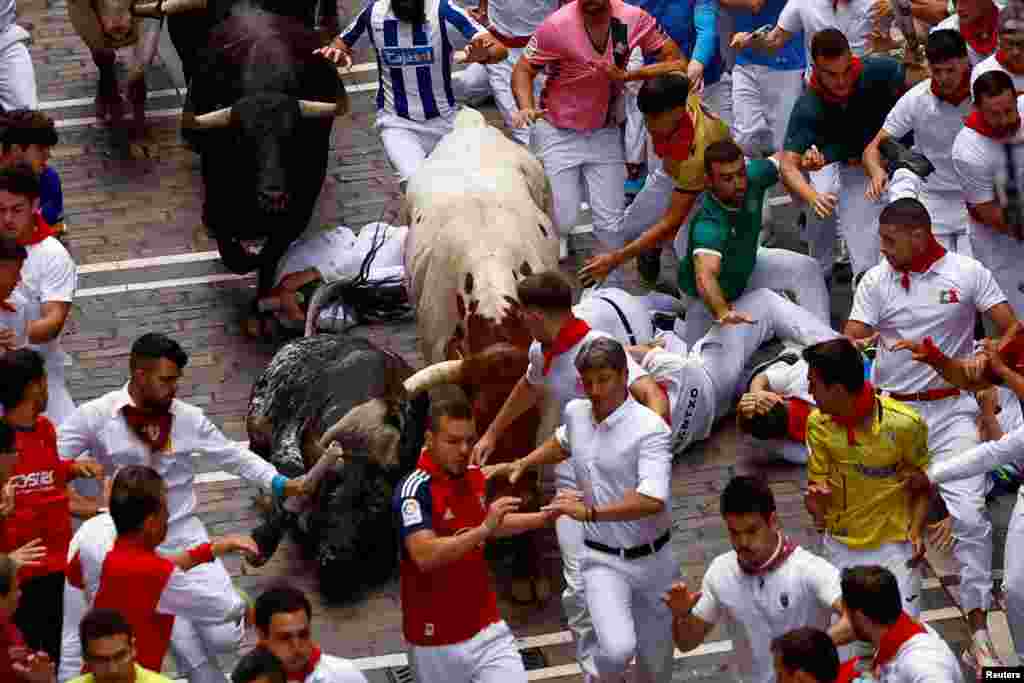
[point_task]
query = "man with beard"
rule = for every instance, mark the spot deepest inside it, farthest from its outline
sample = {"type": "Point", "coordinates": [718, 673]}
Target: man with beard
{"type": "Point", "coordinates": [934, 111]}
{"type": "Point", "coordinates": [977, 21]}
{"type": "Point", "coordinates": [764, 588]}
{"type": "Point", "coordinates": [415, 102]}
{"type": "Point", "coordinates": [1009, 58]}
{"type": "Point", "coordinates": [979, 157]}
{"type": "Point", "coordinates": [143, 423]}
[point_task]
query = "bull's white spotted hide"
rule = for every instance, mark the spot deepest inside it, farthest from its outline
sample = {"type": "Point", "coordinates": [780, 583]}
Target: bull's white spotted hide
{"type": "Point", "coordinates": [480, 204]}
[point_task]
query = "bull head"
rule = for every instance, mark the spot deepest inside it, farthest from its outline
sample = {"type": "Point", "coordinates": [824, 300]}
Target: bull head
{"type": "Point", "coordinates": [162, 8]}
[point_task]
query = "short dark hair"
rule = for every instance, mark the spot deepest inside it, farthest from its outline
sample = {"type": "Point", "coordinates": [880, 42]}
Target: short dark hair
{"type": "Point", "coordinates": [10, 250]}
{"type": "Point", "coordinates": [26, 127]}
{"type": "Point", "coordinates": [154, 346]}
{"type": "Point", "coordinates": [548, 291]}
{"type": "Point", "coordinates": [7, 437]}
{"type": "Point", "coordinates": [829, 43]}
{"type": "Point", "coordinates": [721, 152]}
{"type": "Point", "coordinates": [135, 495]}
{"type": "Point", "coordinates": [906, 212]}
{"type": "Point", "coordinates": [874, 591]}
{"type": "Point", "coordinates": [771, 425]}
{"type": "Point", "coordinates": [451, 407]}
{"type": "Point", "coordinates": [991, 84]}
{"type": "Point", "coordinates": [661, 93]}
{"type": "Point", "coordinates": [601, 353]}
{"type": "Point", "coordinates": [279, 600]}
{"type": "Point", "coordinates": [259, 663]}
{"type": "Point", "coordinates": [945, 44]}
{"type": "Point", "coordinates": [19, 368]}
{"type": "Point", "coordinates": [102, 623]}
{"type": "Point", "coordinates": [744, 495]}
{"type": "Point", "coordinates": [8, 572]}
{"type": "Point", "coordinates": [19, 179]}
{"type": "Point", "coordinates": [837, 361]}
{"type": "Point", "coordinates": [810, 650]}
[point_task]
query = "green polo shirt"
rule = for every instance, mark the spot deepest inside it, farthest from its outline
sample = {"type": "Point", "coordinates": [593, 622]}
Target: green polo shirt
{"type": "Point", "coordinates": [841, 132]}
{"type": "Point", "coordinates": [729, 232]}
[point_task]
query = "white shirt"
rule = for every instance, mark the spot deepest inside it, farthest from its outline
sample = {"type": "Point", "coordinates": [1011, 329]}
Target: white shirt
{"type": "Point", "coordinates": [594, 307]}
{"type": "Point", "coordinates": [935, 125]}
{"type": "Point", "coordinates": [90, 544]}
{"type": "Point", "coordinates": [627, 451]}
{"type": "Point", "coordinates": [924, 658]}
{"type": "Point", "coordinates": [981, 459]}
{"type": "Point", "coordinates": [332, 669]}
{"type": "Point", "coordinates": [992, 64]}
{"type": "Point", "coordinates": [48, 274]}
{"type": "Point", "coordinates": [811, 16]}
{"type": "Point", "coordinates": [691, 394]}
{"type": "Point", "coordinates": [99, 427]}
{"type": "Point", "coordinates": [978, 161]}
{"type": "Point", "coordinates": [1010, 416]}
{"type": "Point", "coordinates": [519, 18]}
{"type": "Point", "coordinates": [953, 22]}
{"type": "Point", "coordinates": [16, 320]}
{"type": "Point", "coordinates": [338, 254]}
{"type": "Point", "coordinates": [758, 609]}
{"type": "Point", "coordinates": [789, 380]}
{"type": "Point", "coordinates": [941, 304]}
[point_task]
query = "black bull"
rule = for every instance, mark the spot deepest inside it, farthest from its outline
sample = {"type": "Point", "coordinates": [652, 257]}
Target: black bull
{"type": "Point", "coordinates": [349, 531]}
{"type": "Point", "coordinates": [263, 172]}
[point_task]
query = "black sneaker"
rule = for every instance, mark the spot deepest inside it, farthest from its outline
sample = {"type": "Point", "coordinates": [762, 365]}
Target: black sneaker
{"type": "Point", "coordinates": [648, 263]}
{"type": "Point", "coordinates": [900, 156]}
{"type": "Point", "coordinates": [665, 322]}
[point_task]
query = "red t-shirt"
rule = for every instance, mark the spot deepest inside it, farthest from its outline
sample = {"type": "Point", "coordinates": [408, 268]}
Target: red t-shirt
{"type": "Point", "coordinates": [41, 507]}
{"type": "Point", "coordinates": [10, 637]}
{"type": "Point", "coordinates": [457, 601]}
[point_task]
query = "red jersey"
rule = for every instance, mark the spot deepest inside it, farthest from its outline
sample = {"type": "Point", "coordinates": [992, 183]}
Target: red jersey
{"type": "Point", "coordinates": [132, 582]}
{"type": "Point", "coordinates": [10, 639]}
{"type": "Point", "coordinates": [455, 602]}
{"type": "Point", "coordinates": [41, 507]}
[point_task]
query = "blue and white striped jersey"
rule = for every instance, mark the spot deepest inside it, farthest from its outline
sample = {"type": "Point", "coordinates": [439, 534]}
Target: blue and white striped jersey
{"type": "Point", "coordinates": [414, 63]}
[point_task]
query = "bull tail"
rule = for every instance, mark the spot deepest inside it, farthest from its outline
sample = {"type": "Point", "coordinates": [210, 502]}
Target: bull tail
{"type": "Point", "coordinates": [469, 118]}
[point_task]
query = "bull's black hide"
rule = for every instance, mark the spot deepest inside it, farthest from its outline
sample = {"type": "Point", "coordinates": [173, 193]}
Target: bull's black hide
{"type": "Point", "coordinates": [263, 173]}
{"type": "Point", "coordinates": [349, 532]}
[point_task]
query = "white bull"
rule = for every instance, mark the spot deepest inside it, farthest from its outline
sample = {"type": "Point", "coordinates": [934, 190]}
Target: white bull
{"type": "Point", "coordinates": [480, 218]}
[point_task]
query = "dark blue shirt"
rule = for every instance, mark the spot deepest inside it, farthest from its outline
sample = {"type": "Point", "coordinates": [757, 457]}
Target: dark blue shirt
{"type": "Point", "coordinates": [790, 57]}
{"type": "Point", "coordinates": [51, 198]}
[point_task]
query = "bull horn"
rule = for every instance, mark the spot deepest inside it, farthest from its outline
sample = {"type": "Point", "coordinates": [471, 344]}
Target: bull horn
{"type": "Point", "coordinates": [445, 372]}
{"type": "Point", "coordinates": [220, 118]}
{"type": "Point", "coordinates": [314, 109]}
{"type": "Point", "coordinates": [159, 8]}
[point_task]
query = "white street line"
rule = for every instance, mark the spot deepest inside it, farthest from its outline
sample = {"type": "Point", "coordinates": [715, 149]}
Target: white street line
{"type": "Point", "coordinates": [161, 284]}
{"type": "Point", "coordinates": [82, 101]}
{"type": "Point", "coordinates": [148, 262]}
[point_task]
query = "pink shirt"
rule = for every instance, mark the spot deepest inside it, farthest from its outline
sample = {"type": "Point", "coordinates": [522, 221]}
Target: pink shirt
{"type": "Point", "coordinates": [578, 94]}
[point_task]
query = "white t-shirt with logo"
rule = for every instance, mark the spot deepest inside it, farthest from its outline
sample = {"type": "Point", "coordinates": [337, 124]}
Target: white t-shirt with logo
{"type": "Point", "coordinates": [942, 304]}
{"type": "Point", "coordinates": [758, 609]}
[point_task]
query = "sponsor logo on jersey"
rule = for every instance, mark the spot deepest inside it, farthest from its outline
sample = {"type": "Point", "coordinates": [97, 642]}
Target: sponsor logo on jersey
{"type": "Point", "coordinates": [412, 513]}
{"type": "Point", "coordinates": [881, 472]}
{"type": "Point", "coordinates": [407, 56]}
{"type": "Point", "coordinates": [949, 296]}
{"type": "Point", "coordinates": [691, 408]}
{"type": "Point", "coordinates": [42, 479]}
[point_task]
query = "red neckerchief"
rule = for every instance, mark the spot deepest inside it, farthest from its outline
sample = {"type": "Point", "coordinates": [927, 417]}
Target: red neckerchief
{"type": "Point", "coordinates": [961, 94]}
{"type": "Point", "coordinates": [314, 659]}
{"type": "Point", "coordinates": [922, 262]}
{"type": "Point", "coordinates": [676, 145]}
{"type": "Point", "coordinates": [153, 429]}
{"type": "Point", "coordinates": [855, 64]}
{"type": "Point", "coordinates": [571, 333]}
{"type": "Point", "coordinates": [978, 123]}
{"type": "Point", "coordinates": [782, 552]}
{"type": "Point", "coordinates": [41, 232]}
{"type": "Point", "coordinates": [848, 671]}
{"type": "Point", "coordinates": [862, 407]}
{"type": "Point", "coordinates": [900, 632]}
{"type": "Point", "coordinates": [1001, 58]}
{"type": "Point", "coordinates": [797, 411]}
{"type": "Point", "coordinates": [983, 35]}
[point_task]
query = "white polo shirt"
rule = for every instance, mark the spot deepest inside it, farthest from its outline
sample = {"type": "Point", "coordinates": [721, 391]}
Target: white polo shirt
{"type": "Point", "coordinates": [628, 450]}
{"type": "Point", "coordinates": [924, 657]}
{"type": "Point", "coordinates": [992, 64]}
{"type": "Point", "coordinates": [811, 16]}
{"type": "Point", "coordinates": [758, 609]}
{"type": "Point", "coordinates": [935, 125]}
{"type": "Point", "coordinates": [48, 274]}
{"type": "Point", "coordinates": [691, 394]}
{"type": "Point", "coordinates": [941, 304]}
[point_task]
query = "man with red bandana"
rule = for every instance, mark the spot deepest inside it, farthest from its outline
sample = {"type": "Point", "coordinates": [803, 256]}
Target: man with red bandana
{"type": "Point", "coordinates": [977, 21]}
{"type": "Point", "coordinates": [934, 111]}
{"type": "Point", "coordinates": [844, 90]}
{"type": "Point", "coordinates": [979, 157]}
{"type": "Point", "coordinates": [1010, 55]}
{"type": "Point", "coordinates": [920, 290]}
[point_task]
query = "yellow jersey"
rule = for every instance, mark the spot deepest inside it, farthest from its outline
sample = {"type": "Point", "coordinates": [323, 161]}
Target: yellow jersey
{"type": "Point", "coordinates": [141, 676]}
{"type": "Point", "coordinates": [707, 129]}
{"type": "Point", "coordinates": [870, 504]}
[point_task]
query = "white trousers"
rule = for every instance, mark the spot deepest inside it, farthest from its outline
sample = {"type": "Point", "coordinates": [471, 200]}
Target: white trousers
{"type": "Point", "coordinates": [778, 449]}
{"type": "Point", "coordinates": [777, 269]}
{"type": "Point", "coordinates": [820, 233]}
{"type": "Point", "coordinates": [762, 100]}
{"type": "Point", "coordinates": [408, 143]}
{"type": "Point", "coordinates": [59, 404]}
{"type": "Point", "coordinates": [574, 602]}
{"type": "Point", "coordinates": [478, 80]}
{"type": "Point", "coordinates": [952, 430]}
{"type": "Point", "coordinates": [1003, 255]}
{"type": "Point", "coordinates": [17, 77]}
{"type": "Point", "coordinates": [1013, 578]}
{"type": "Point", "coordinates": [630, 618]}
{"type": "Point", "coordinates": [950, 222]}
{"type": "Point", "coordinates": [858, 219]}
{"type": "Point", "coordinates": [490, 656]}
{"type": "Point", "coordinates": [75, 607]}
